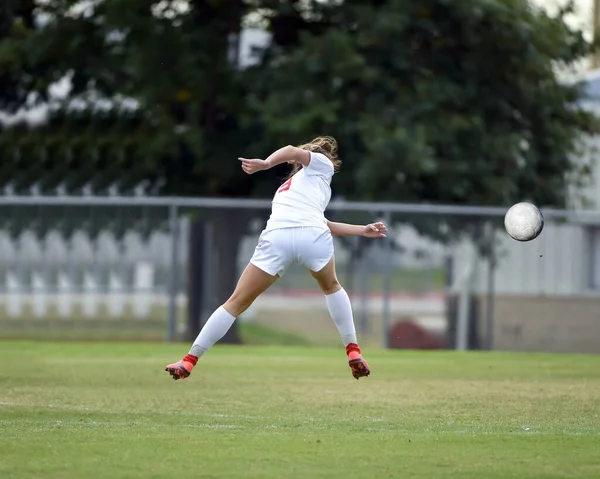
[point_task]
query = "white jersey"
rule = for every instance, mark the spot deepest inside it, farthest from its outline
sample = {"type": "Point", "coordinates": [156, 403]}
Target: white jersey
{"type": "Point", "coordinates": [302, 200]}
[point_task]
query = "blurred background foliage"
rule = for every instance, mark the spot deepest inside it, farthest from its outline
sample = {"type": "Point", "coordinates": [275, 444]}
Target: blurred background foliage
{"type": "Point", "coordinates": [438, 101]}
{"type": "Point", "coordinates": [432, 101]}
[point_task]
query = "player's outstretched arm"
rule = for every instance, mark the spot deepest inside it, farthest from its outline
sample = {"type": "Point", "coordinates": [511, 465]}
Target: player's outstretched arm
{"type": "Point", "coordinates": [287, 154]}
{"type": "Point", "coordinates": [373, 230]}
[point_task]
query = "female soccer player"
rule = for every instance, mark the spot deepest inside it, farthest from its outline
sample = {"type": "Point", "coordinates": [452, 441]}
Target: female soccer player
{"type": "Point", "coordinates": [296, 232]}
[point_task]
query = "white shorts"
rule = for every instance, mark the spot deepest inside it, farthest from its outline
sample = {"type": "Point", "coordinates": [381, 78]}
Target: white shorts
{"type": "Point", "coordinates": [277, 249]}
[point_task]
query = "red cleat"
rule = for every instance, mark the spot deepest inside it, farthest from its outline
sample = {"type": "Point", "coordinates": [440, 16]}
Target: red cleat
{"type": "Point", "coordinates": [360, 368]}
{"type": "Point", "coordinates": [182, 369]}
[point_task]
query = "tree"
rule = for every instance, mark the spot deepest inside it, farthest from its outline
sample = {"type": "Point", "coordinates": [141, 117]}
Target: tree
{"type": "Point", "coordinates": [435, 101]}
{"type": "Point", "coordinates": [185, 130]}
{"type": "Point", "coordinates": [16, 22]}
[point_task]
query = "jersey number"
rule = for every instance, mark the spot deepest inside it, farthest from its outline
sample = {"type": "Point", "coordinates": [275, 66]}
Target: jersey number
{"type": "Point", "coordinates": [285, 186]}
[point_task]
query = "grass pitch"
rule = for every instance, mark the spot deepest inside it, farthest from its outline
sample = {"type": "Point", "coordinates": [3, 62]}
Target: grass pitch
{"type": "Point", "coordinates": [97, 410]}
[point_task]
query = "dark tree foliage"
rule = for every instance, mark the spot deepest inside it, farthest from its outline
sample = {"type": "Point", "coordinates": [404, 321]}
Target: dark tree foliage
{"type": "Point", "coordinates": [435, 101]}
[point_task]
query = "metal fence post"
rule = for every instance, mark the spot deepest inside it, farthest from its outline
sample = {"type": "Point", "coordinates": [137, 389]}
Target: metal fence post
{"type": "Point", "coordinates": [387, 283]}
{"type": "Point", "coordinates": [173, 282]}
{"type": "Point", "coordinates": [462, 317]}
{"type": "Point", "coordinates": [491, 289]}
{"type": "Point", "coordinates": [364, 291]}
{"type": "Point", "coordinates": [463, 308]}
{"type": "Point", "coordinates": [207, 271]}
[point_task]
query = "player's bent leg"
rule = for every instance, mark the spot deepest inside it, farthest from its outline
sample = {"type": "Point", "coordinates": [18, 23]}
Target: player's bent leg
{"type": "Point", "coordinates": [340, 310]}
{"type": "Point", "coordinates": [252, 283]}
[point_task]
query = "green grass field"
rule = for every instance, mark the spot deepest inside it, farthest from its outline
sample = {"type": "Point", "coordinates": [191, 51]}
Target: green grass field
{"type": "Point", "coordinates": [98, 410]}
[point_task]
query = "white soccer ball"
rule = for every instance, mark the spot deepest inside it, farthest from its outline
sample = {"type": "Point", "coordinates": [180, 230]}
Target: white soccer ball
{"type": "Point", "coordinates": [524, 222]}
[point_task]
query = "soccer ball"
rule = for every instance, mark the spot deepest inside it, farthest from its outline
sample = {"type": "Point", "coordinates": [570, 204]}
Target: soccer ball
{"type": "Point", "coordinates": [524, 222]}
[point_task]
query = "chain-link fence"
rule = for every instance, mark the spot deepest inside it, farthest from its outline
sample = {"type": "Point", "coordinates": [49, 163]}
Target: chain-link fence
{"type": "Point", "coordinates": [154, 268]}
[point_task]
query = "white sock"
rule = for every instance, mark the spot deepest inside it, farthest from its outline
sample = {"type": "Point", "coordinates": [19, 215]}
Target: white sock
{"type": "Point", "coordinates": [214, 329]}
{"type": "Point", "coordinates": [340, 310]}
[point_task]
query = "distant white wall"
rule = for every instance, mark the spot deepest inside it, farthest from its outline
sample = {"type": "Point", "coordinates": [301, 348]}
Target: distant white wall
{"type": "Point", "coordinates": [557, 263]}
